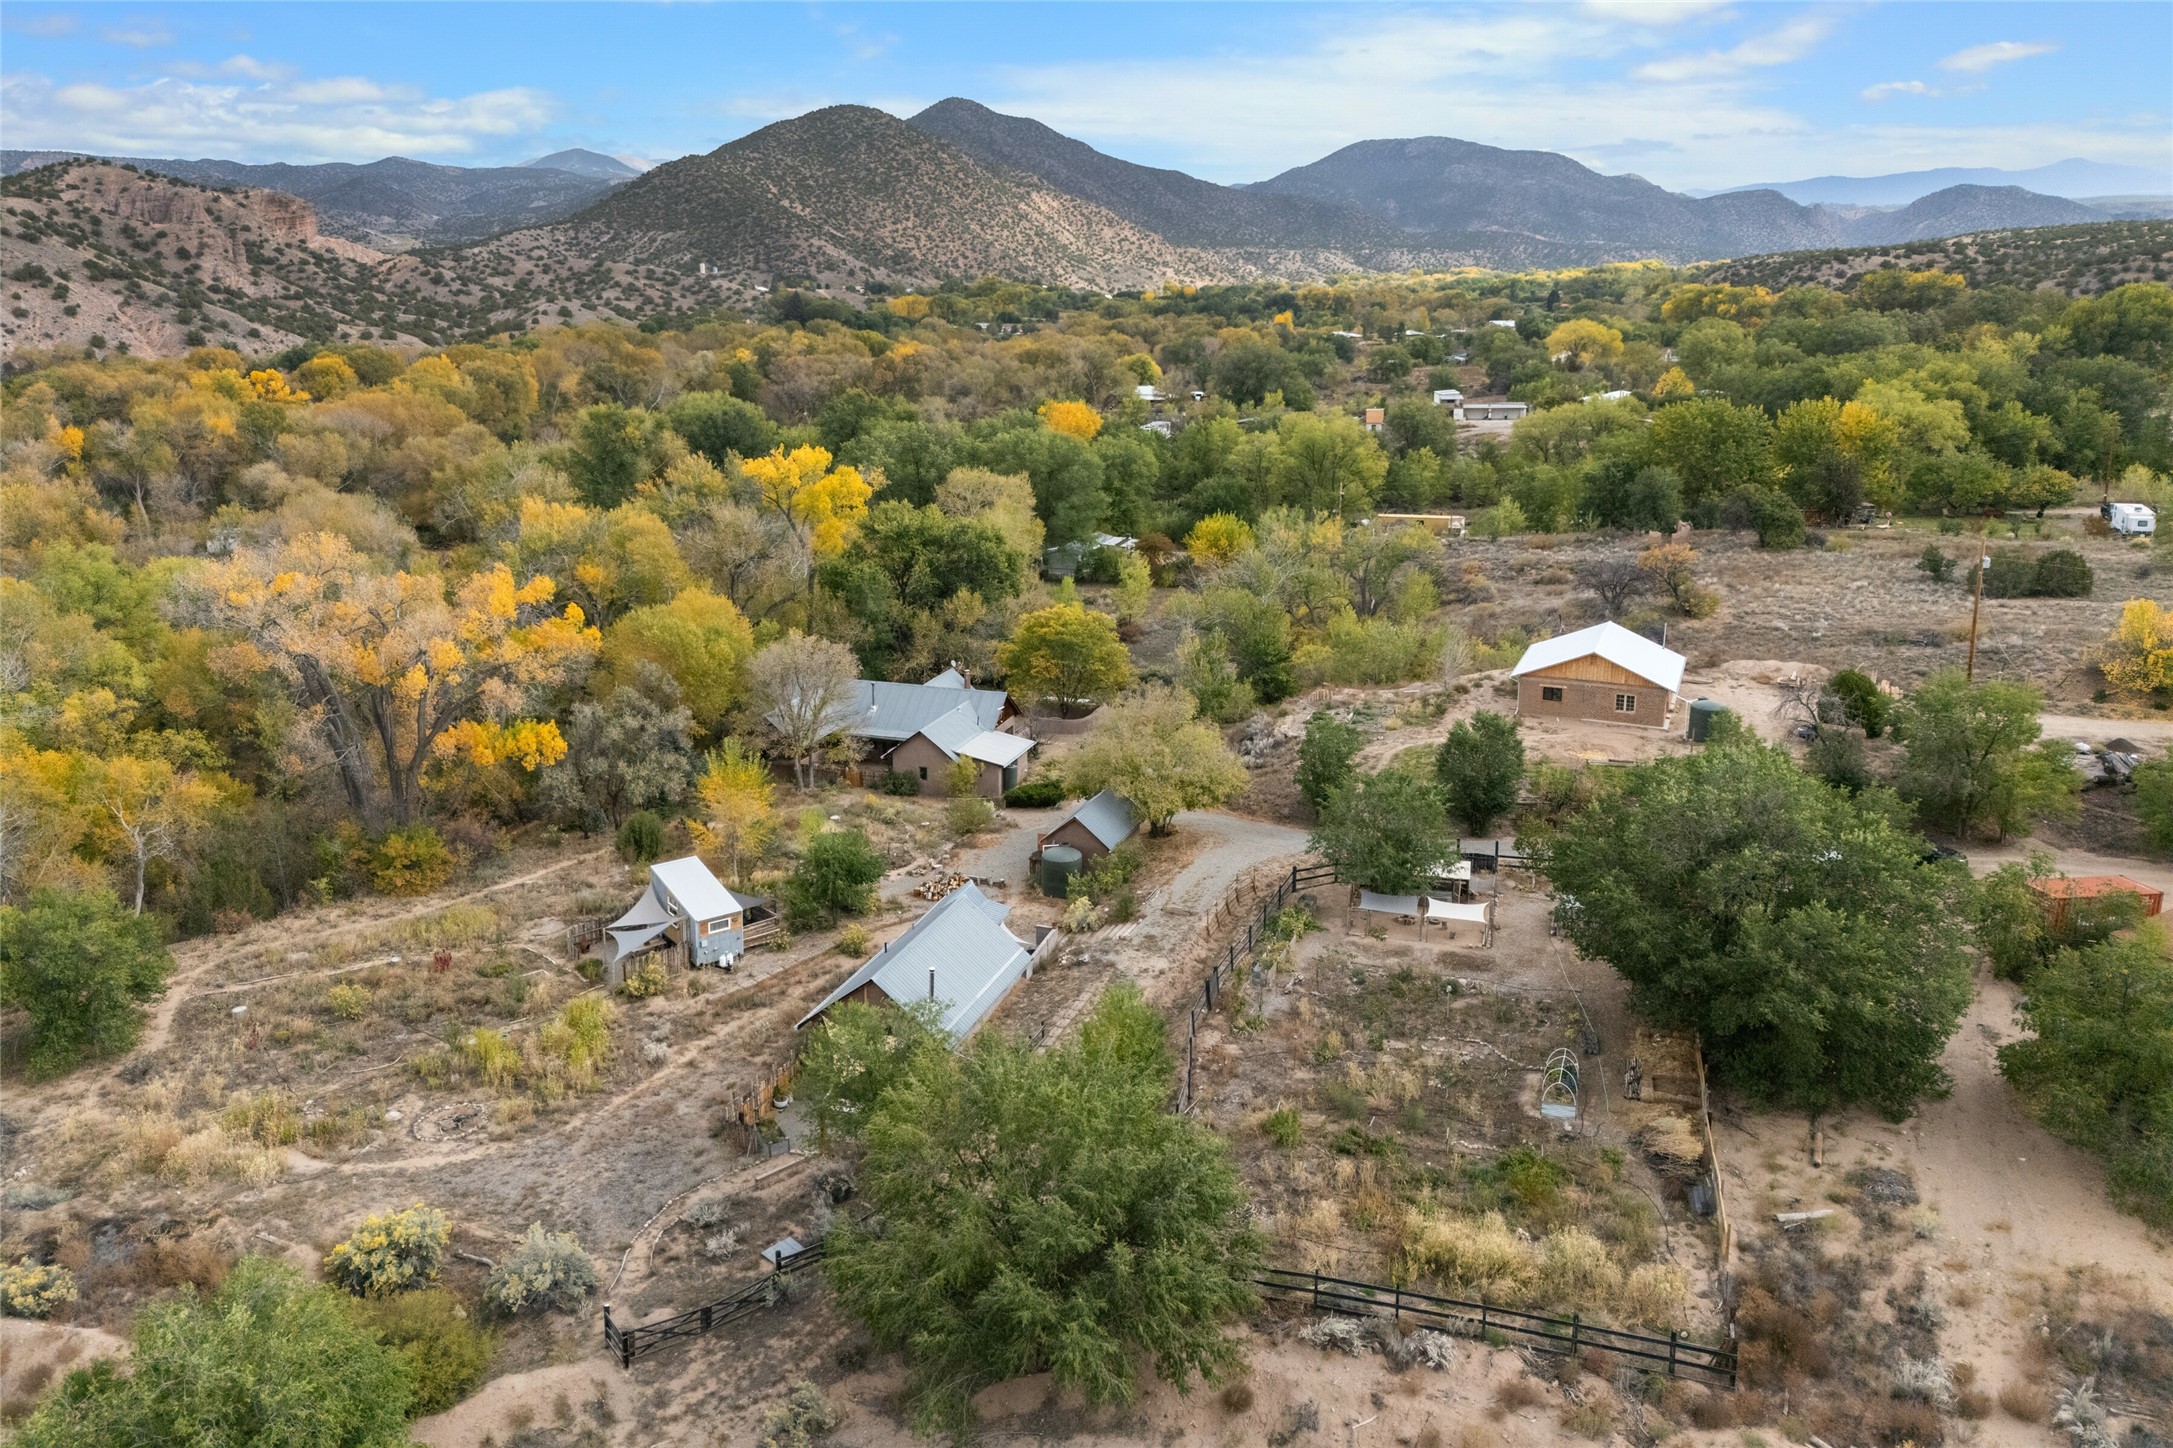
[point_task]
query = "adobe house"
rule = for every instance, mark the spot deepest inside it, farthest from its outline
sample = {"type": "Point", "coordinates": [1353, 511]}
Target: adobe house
{"type": "Point", "coordinates": [1096, 827]}
{"type": "Point", "coordinates": [1604, 672]}
{"type": "Point", "coordinates": [930, 752]}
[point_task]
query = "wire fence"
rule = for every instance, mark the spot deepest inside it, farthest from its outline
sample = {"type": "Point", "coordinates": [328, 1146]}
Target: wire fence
{"type": "Point", "coordinates": [1265, 906]}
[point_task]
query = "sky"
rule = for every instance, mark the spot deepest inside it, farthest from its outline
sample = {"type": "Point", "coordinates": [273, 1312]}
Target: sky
{"type": "Point", "coordinates": [1691, 94]}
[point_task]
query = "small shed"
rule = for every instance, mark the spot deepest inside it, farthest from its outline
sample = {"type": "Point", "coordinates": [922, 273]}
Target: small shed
{"type": "Point", "coordinates": [687, 904]}
{"type": "Point", "coordinates": [1602, 672]}
{"type": "Point", "coordinates": [2057, 894]}
{"type": "Point", "coordinates": [958, 954]}
{"type": "Point", "coordinates": [1096, 827]}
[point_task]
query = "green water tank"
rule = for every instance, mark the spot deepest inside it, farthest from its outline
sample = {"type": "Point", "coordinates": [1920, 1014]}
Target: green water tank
{"type": "Point", "coordinates": [1702, 714]}
{"type": "Point", "coordinates": [1058, 864]}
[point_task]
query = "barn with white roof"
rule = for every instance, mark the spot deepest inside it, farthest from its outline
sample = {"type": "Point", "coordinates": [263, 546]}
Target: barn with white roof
{"type": "Point", "coordinates": [1604, 672]}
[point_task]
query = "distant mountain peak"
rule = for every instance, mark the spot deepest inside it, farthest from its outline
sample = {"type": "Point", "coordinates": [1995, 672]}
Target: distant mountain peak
{"type": "Point", "coordinates": [587, 163]}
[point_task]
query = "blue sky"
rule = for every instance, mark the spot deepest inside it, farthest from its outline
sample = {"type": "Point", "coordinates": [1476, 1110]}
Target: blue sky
{"type": "Point", "coordinates": [1689, 93]}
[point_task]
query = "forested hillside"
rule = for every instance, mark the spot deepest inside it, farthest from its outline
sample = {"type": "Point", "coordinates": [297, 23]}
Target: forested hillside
{"type": "Point", "coordinates": [293, 623]}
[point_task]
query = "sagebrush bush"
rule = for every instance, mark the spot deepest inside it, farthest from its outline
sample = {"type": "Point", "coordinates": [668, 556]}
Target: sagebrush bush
{"type": "Point", "coordinates": [348, 1002]}
{"type": "Point", "coordinates": [268, 1118]}
{"type": "Point", "coordinates": [446, 1349]}
{"type": "Point", "coordinates": [391, 1252]}
{"type": "Point", "coordinates": [854, 941]}
{"type": "Point", "coordinates": [1653, 1295]}
{"type": "Point", "coordinates": [548, 1270]}
{"type": "Point", "coordinates": [799, 1420]}
{"type": "Point", "coordinates": [30, 1290]}
{"type": "Point", "coordinates": [969, 813]}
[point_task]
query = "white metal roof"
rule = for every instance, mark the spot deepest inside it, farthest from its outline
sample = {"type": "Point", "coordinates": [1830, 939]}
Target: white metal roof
{"type": "Point", "coordinates": [687, 884]}
{"type": "Point", "coordinates": [959, 954]}
{"type": "Point", "coordinates": [995, 747]}
{"type": "Point", "coordinates": [1612, 642]}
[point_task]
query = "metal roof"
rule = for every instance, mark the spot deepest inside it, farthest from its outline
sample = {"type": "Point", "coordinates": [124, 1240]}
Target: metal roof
{"type": "Point", "coordinates": [950, 678]}
{"type": "Point", "coordinates": [687, 884]}
{"type": "Point", "coordinates": [992, 746]}
{"type": "Point", "coordinates": [883, 710]}
{"type": "Point", "coordinates": [1109, 817]}
{"type": "Point", "coordinates": [961, 939]}
{"type": "Point", "coordinates": [1612, 642]}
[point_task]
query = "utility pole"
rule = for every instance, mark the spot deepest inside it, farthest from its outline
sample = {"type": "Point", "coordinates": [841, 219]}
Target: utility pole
{"type": "Point", "coordinates": [1976, 606]}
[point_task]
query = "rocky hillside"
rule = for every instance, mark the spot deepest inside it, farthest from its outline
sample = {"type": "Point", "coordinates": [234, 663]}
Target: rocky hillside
{"type": "Point", "coordinates": [842, 197]}
{"type": "Point", "coordinates": [1960, 209]}
{"type": "Point", "coordinates": [2079, 260]}
{"type": "Point", "coordinates": [395, 204]}
{"type": "Point", "coordinates": [1179, 208]}
{"type": "Point", "coordinates": [100, 255]}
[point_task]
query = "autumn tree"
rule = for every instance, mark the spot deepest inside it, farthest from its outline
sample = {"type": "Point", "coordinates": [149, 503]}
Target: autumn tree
{"type": "Point", "coordinates": [2138, 658]}
{"type": "Point", "coordinates": [1218, 538]}
{"type": "Point", "coordinates": [804, 691]}
{"type": "Point", "coordinates": [699, 638]}
{"type": "Point", "coordinates": [150, 807]}
{"type": "Point", "coordinates": [1585, 342]}
{"type": "Point", "coordinates": [822, 505]}
{"type": "Point", "coordinates": [1073, 419]}
{"type": "Point", "coordinates": [738, 807]}
{"type": "Point", "coordinates": [1067, 656]}
{"type": "Point", "coordinates": [1154, 751]}
{"type": "Point", "coordinates": [390, 663]}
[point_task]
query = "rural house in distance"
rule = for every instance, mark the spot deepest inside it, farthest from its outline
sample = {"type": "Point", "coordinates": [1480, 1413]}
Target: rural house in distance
{"type": "Point", "coordinates": [688, 905]}
{"type": "Point", "coordinates": [1604, 672]}
{"type": "Point", "coordinates": [923, 729]}
{"type": "Point", "coordinates": [1096, 827]}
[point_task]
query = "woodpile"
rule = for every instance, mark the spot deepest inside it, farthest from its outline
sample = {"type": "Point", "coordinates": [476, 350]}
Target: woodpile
{"type": "Point", "coordinates": [935, 887]}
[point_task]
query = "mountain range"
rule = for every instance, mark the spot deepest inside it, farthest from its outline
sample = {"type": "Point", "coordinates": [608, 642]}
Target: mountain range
{"type": "Point", "coordinates": [2074, 178]}
{"type": "Point", "coordinates": [852, 199]}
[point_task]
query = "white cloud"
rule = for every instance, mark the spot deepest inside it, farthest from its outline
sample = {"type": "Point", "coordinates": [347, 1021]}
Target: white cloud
{"type": "Point", "coordinates": [1791, 42]}
{"type": "Point", "coordinates": [50, 26]}
{"type": "Point", "coordinates": [1887, 88]}
{"type": "Point", "coordinates": [139, 37]}
{"type": "Point", "coordinates": [1655, 12]}
{"type": "Point", "coordinates": [277, 118]}
{"type": "Point", "coordinates": [1980, 58]}
{"type": "Point", "coordinates": [248, 67]}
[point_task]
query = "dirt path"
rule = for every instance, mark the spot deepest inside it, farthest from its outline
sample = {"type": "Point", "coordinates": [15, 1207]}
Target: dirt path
{"type": "Point", "coordinates": [1173, 916]}
{"type": "Point", "coordinates": [204, 955]}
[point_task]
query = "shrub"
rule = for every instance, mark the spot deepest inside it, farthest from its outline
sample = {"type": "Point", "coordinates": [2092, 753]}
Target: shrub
{"type": "Point", "coordinates": [1654, 1295]}
{"type": "Point", "coordinates": [79, 965]}
{"type": "Point", "coordinates": [836, 876]}
{"type": "Point", "coordinates": [268, 1118]}
{"type": "Point", "coordinates": [854, 941]}
{"type": "Point", "coordinates": [799, 1420]}
{"type": "Point", "coordinates": [1475, 1256]}
{"type": "Point", "coordinates": [1045, 792]}
{"type": "Point", "coordinates": [1283, 1127]}
{"type": "Point", "coordinates": [1575, 1270]}
{"type": "Point", "coordinates": [30, 1290]}
{"type": "Point", "coordinates": [1837, 756]}
{"type": "Point", "coordinates": [2063, 573]}
{"type": "Point", "coordinates": [391, 1252]}
{"type": "Point", "coordinates": [1936, 563]}
{"type": "Point", "coordinates": [447, 1351]}
{"type": "Point", "coordinates": [547, 1271]}
{"type": "Point", "coordinates": [580, 1038]}
{"type": "Point", "coordinates": [641, 839]}
{"type": "Point", "coordinates": [348, 1002]}
{"type": "Point", "coordinates": [410, 861]}
{"type": "Point", "coordinates": [1862, 702]}
{"type": "Point", "coordinates": [898, 782]}
{"type": "Point", "coordinates": [646, 979]}
{"type": "Point", "coordinates": [491, 1058]}
{"type": "Point", "coordinates": [969, 813]}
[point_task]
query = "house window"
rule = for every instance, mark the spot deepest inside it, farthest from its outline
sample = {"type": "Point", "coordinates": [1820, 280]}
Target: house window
{"type": "Point", "coordinates": [924, 771]}
{"type": "Point", "coordinates": [1625, 703]}
{"type": "Point", "coordinates": [1550, 693]}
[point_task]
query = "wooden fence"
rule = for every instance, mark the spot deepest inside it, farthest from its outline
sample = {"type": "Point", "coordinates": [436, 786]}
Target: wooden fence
{"type": "Point", "coordinates": [629, 1343]}
{"type": "Point", "coordinates": [1262, 906]}
{"type": "Point", "coordinates": [1558, 1336]}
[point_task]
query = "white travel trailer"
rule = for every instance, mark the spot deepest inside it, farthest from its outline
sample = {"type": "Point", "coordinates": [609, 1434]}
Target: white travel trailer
{"type": "Point", "coordinates": [2131, 520]}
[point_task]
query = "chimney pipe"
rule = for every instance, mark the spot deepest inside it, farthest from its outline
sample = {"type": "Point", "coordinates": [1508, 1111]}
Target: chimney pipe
{"type": "Point", "coordinates": [931, 982]}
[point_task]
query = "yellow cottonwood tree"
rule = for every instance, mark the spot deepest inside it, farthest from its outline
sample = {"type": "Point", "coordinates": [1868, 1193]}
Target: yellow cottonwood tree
{"type": "Point", "coordinates": [388, 663]}
{"type": "Point", "coordinates": [738, 798]}
{"type": "Point", "coordinates": [1585, 340]}
{"type": "Point", "coordinates": [147, 809]}
{"type": "Point", "coordinates": [823, 506]}
{"type": "Point", "coordinates": [1073, 419]}
{"type": "Point", "coordinates": [2138, 658]}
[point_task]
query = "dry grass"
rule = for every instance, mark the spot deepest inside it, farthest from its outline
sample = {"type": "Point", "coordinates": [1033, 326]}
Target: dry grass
{"type": "Point", "coordinates": [2025, 1402]}
{"type": "Point", "coordinates": [1513, 1396]}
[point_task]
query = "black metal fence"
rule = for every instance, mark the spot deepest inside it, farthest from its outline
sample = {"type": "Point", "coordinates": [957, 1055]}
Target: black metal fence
{"type": "Point", "coordinates": [1559, 1336]}
{"type": "Point", "coordinates": [629, 1343]}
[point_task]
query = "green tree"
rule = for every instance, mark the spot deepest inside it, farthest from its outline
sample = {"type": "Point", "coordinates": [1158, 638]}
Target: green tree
{"type": "Point", "coordinates": [1066, 655]}
{"type": "Point", "coordinates": [79, 965]}
{"type": "Point", "coordinates": [1863, 703]}
{"type": "Point", "coordinates": [631, 751]}
{"type": "Point", "coordinates": [611, 453]}
{"type": "Point", "coordinates": [2154, 802]}
{"type": "Point", "coordinates": [1974, 761]}
{"type": "Point", "coordinates": [1385, 831]}
{"type": "Point", "coordinates": [836, 876]}
{"type": "Point", "coordinates": [1480, 768]}
{"type": "Point", "coordinates": [1246, 372]}
{"type": "Point", "coordinates": [1153, 751]}
{"type": "Point", "coordinates": [1327, 465]}
{"type": "Point", "coordinates": [2099, 1070]}
{"type": "Point", "coordinates": [1326, 757]}
{"type": "Point", "coordinates": [904, 564]}
{"type": "Point", "coordinates": [1255, 632]}
{"type": "Point", "coordinates": [721, 427]}
{"type": "Point", "coordinates": [1042, 1211]}
{"type": "Point", "coordinates": [1714, 446]}
{"type": "Point", "coordinates": [856, 1053]}
{"type": "Point", "coordinates": [1791, 925]}
{"type": "Point", "coordinates": [268, 1361]}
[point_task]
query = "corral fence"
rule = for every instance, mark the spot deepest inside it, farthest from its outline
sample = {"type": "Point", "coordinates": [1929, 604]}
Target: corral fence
{"type": "Point", "coordinates": [628, 1343]}
{"type": "Point", "coordinates": [1570, 1336]}
{"type": "Point", "coordinates": [1266, 905]}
